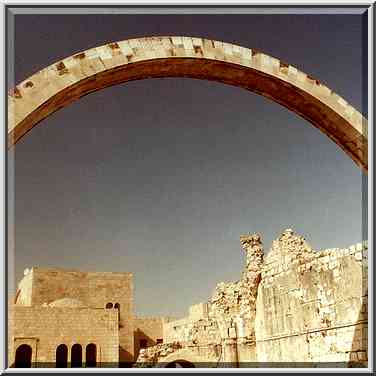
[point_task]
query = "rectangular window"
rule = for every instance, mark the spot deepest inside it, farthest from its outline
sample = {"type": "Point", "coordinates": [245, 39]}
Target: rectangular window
{"type": "Point", "coordinates": [159, 340]}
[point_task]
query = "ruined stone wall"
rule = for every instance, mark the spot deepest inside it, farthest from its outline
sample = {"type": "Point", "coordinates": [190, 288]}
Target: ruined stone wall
{"type": "Point", "coordinates": [189, 329]}
{"type": "Point", "coordinates": [45, 328]}
{"type": "Point", "coordinates": [312, 306]}
{"type": "Point", "coordinates": [176, 331]}
{"type": "Point", "coordinates": [149, 329]}
{"type": "Point", "coordinates": [223, 328]}
{"type": "Point", "coordinates": [295, 305]}
{"type": "Point", "coordinates": [199, 311]}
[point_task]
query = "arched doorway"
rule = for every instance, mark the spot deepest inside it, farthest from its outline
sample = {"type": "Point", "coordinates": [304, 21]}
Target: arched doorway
{"type": "Point", "coordinates": [180, 363]}
{"type": "Point", "coordinates": [76, 355]}
{"type": "Point", "coordinates": [62, 356]}
{"type": "Point", "coordinates": [23, 356]}
{"type": "Point", "coordinates": [91, 355]}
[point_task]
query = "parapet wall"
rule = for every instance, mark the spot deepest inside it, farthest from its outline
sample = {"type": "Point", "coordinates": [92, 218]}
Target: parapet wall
{"type": "Point", "coordinates": [312, 306]}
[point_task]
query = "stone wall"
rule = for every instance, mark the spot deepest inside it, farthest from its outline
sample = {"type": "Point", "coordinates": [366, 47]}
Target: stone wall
{"type": "Point", "coordinates": [94, 289]}
{"type": "Point", "coordinates": [199, 311]}
{"type": "Point", "coordinates": [195, 328]}
{"type": "Point", "coordinates": [176, 331]}
{"type": "Point", "coordinates": [45, 328]}
{"type": "Point", "coordinates": [294, 306]}
{"type": "Point", "coordinates": [148, 329]}
{"type": "Point", "coordinates": [312, 305]}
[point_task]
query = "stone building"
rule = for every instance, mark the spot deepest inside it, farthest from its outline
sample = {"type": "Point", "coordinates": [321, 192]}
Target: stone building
{"type": "Point", "coordinates": [294, 306]}
{"type": "Point", "coordinates": [60, 317]}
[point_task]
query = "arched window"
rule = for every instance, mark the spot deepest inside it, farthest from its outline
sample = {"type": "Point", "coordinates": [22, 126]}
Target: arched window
{"type": "Point", "coordinates": [23, 356]}
{"type": "Point", "coordinates": [76, 356]}
{"type": "Point", "coordinates": [62, 356]}
{"type": "Point", "coordinates": [109, 305]}
{"type": "Point", "coordinates": [117, 306]}
{"type": "Point", "coordinates": [91, 355]}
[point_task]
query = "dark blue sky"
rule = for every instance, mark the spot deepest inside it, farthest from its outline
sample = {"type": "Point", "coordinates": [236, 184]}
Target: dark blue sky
{"type": "Point", "coordinates": [160, 177]}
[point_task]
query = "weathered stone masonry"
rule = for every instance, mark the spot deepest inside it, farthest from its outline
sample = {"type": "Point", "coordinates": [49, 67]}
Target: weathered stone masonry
{"type": "Point", "coordinates": [312, 306]}
{"type": "Point", "coordinates": [293, 306]}
{"type": "Point", "coordinates": [55, 307]}
{"type": "Point", "coordinates": [45, 328]}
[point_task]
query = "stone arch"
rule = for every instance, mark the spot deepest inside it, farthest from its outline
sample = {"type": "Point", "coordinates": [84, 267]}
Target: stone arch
{"type": "Point", "coordinates": [186, 358]}
{"type": "Point", "coordinates": [67, 80]}
{"type": "Point", "coordinates": [180, 363]}
{"type": "Point", "coordinates": [109, 305]}
{"type": "Point", "coordinates": [23, 356]}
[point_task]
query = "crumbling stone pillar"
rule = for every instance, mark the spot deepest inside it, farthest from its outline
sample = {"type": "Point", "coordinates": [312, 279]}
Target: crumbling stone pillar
{"type": "Point", "coordinates": [250, 280]}
{"type": "Point", "coordinates": [252, 245]}
{"type": "Point", "coordinates": [234, 305]}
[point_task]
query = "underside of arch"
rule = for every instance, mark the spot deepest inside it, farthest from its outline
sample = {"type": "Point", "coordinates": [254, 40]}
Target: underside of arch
{"type": "Point", "coordinates": [186, 358]}
{"type": "Point", "coordinates": [68, 80]}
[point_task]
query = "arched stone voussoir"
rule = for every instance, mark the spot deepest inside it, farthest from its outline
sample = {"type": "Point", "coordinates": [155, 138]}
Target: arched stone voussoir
{"type": "Point", "coordinates": [67, 80]}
